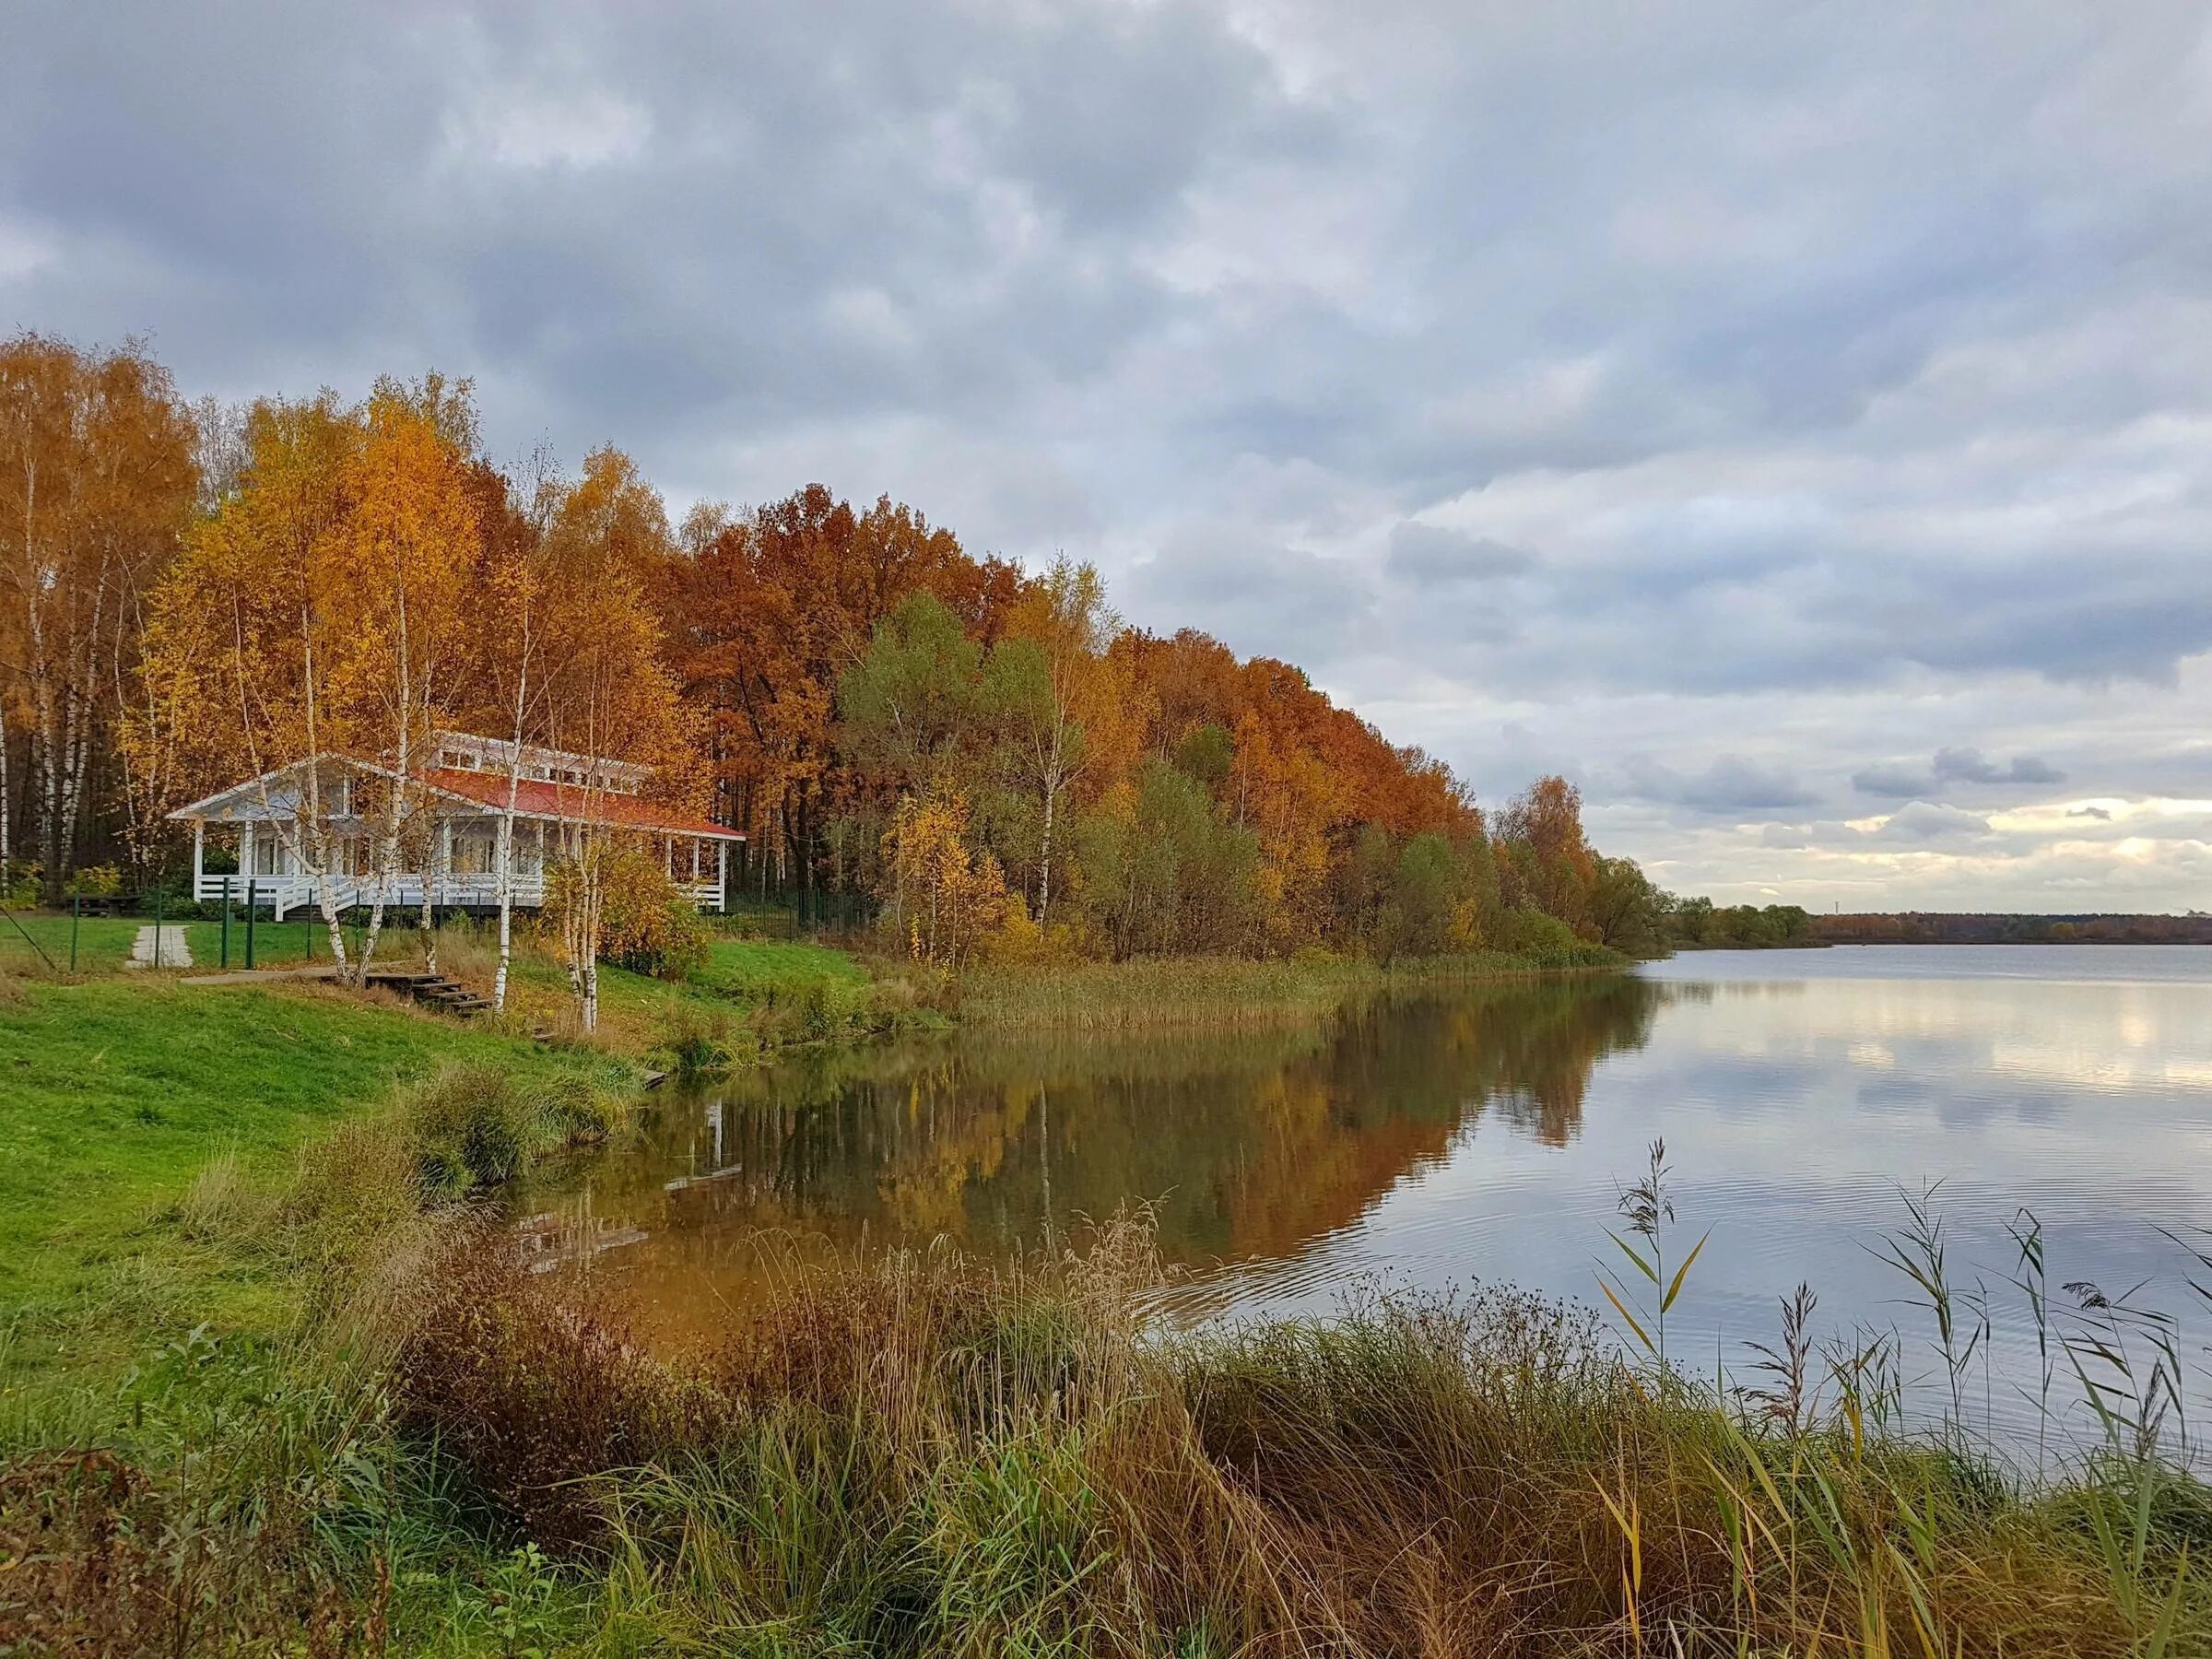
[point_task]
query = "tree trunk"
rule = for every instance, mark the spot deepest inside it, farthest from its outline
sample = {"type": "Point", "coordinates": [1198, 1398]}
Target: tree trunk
{"type": "Point", "coordinates": [1044, 857]}
{"type": "Point", "coordinates": [505, 857]}
{"type": "Point", "coordinates": [429, 920]}
{"type": "Point", "coordinates": [50, 783]}
{"type": "Point", "coordinates": [503, 860]}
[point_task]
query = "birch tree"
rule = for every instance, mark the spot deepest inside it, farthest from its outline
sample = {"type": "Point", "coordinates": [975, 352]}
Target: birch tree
{"type": "Point", "coordinates": [313, 629]}
{"type": "Point", "coordinates": [407, 554]}
{"type": "Point", "coordinates": [607, 699]}
{"type": "Point", "coordinates": [96, 479]}
{"type": "Point", "coordinates": [1046, 680]}
{"type": "Point", "coordinates": [512, 692]}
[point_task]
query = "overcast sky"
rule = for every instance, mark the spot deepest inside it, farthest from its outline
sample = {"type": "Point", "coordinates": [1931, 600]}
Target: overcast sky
{"type": "Point", "coordinates": [1793, 422]}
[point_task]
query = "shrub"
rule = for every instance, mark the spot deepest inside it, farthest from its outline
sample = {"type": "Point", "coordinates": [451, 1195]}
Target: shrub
{"type": "Point", "coordinates": [472, 1126]}
{"type": "Point", "coordinates": [646, 924]}
{"type": "Point", "coordinates": [96, 881]}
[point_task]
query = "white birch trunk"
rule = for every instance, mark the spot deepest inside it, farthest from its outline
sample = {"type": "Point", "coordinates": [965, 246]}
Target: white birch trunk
{"type": "Point", "coordinates": [506, 853]}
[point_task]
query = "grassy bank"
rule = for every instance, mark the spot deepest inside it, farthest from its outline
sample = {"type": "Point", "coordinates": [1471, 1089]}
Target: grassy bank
{"type": "Point", "coordinates": [120, 1092]}
{"type": "Point", "coordinates": [922, 1456]}
{"type": "Point", "coordinates": [1170, 991]}
{"type": "Point", "coordinates": [927, 1456]}
{"type": "Point", "coordinates": [120, 1089]}
{"type": "Point", "coordinates": [122, 1086]}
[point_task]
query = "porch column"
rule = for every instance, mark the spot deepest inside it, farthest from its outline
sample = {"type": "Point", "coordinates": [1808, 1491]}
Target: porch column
{"type": "Point", "coordinates": [199, 856]}
{"type": "Point", "coordinates": [722, 878]}
{"type": "Point", "coordinates": [695, 845]}
{"type": "Point", "coordinates": [245, 850]}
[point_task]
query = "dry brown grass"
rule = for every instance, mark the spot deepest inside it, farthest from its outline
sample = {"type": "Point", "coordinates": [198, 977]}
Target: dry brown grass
{"type": "Point", "coordinates": [924, 1456]}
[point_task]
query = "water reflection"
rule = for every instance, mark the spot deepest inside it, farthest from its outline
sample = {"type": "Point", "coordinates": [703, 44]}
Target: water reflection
{"type": "Point", "coordinates": [1250, 1145]}
{"type": "Point", "coordinates": [1430, 1141]}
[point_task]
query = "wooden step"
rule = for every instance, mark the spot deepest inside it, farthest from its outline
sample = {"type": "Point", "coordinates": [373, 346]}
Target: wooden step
{"type": "Point", "coordinates": [433, 990]}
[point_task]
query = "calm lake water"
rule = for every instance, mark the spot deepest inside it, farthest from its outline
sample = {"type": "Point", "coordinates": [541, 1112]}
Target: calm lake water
{"type": "Point", "coordinates": [1434, 1141]}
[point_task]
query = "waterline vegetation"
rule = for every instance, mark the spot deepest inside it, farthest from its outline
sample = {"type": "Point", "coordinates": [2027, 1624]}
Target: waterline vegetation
{"type": "Point", "coordinates": [436, 1450]}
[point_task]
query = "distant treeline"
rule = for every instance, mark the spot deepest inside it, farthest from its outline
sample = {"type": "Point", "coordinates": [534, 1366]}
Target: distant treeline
{"type": "Point", "coordinates": [1918, 927]}
{"type": "Point", "coordinates": [1701, 924]}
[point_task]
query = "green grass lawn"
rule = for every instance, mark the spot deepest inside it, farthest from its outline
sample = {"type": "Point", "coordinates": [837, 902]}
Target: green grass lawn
{"type": "Point", "coordinates": [750, 967]}
{"type": "Point", "coordinates": [103, 944]}
{"type": "Point", "coordinates": [297, 940]}
{"type": "Point", "coordinates": [115, 1093]}
{"type": "Point", "coordinates": [118, 1088]}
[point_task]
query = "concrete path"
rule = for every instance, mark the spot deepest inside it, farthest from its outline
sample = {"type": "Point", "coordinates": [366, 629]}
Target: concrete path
{"type": "Point", "coordinates": [173, 951]}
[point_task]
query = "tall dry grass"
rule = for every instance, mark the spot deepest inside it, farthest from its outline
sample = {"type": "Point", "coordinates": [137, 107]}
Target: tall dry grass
{"type": "Point", "coordinates": [1225, 991]}
{"type": "Point", "coordinates": [926, 1455]}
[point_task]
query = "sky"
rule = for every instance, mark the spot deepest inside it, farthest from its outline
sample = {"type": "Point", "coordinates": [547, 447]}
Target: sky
{"type": "Point", "coordinates": [1793, 422]}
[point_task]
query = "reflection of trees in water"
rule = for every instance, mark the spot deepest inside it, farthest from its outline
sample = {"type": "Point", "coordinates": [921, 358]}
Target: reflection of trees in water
{"type": "Point", "coordinates": [1253, 1141]}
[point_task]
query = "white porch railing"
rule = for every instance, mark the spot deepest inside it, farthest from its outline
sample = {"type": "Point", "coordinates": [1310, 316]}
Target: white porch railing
{"type": "Point", "coordinates": [402, 892]}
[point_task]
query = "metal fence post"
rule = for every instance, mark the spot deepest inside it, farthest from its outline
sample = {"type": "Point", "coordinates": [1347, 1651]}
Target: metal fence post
{"type": "Point", "coordinates": [249, 924]}
{"type": "Point", "coordinates": [157, 897]}
{"type": "Point", "coordinates": [226, 920]}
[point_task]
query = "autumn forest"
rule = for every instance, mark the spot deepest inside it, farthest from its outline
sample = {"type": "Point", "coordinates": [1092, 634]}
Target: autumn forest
{"type": "Point", "coordinates": [978, 757]}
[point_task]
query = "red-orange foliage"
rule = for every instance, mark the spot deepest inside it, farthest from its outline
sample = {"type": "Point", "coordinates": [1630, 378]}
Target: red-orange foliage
{"type": "Point", "coordinates": [763, 619]}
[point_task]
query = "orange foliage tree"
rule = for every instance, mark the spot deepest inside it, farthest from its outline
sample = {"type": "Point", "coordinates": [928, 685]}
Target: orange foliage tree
{"type": "Point", "coordinates": [767, 614]}
{"type": "Point", "coordinates": [96, 479]}
{"type": "Point", "coordinates": [320, 612]}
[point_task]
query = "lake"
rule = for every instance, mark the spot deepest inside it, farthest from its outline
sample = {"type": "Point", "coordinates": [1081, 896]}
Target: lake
{"type": "Point", "coordinates": [1430, 1141]}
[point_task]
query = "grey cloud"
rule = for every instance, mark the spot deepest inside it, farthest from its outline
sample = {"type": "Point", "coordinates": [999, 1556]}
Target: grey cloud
{"type": "Point", "coordinates": [1729, 786]}
{"type": "Point", "coordinates": [1925, 821]}
{"type": "Point", "coordinates": [1428, 556]}
{"type": "Point", "coordinates": [1968, 765]}
{"type": "Point", "coordinates": [1952, 766]}
{"type": "Point", "coordinates": [2098, 812]}
{"type": "Point", "coordinates": [1897, 783]}
{"type": "Point", "coordinates": [1832, 380]}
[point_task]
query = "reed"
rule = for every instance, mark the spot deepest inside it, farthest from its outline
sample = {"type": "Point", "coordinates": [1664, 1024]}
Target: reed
{"type": "Point", "coordinates": [1221, 991]}
{"type": "Point", "coordinates": [927, 1455]}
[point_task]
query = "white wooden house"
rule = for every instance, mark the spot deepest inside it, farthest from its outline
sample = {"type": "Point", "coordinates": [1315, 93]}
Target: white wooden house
{"type": "Point", "coordinates": [467, 794]}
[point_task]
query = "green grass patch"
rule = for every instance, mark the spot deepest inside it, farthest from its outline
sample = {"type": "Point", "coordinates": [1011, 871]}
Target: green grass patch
{"type": "Point", "coordinates": [752, 968]}
{"type": "Point", "coordinates": [115, 1093]}
{"type": "Point", "coordinates": [103, 943]}
{"type": "Point", "coordinates": [296, 941]}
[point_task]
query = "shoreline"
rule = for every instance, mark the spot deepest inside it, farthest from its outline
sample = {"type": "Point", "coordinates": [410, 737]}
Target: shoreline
{"type": "Point", "coordinates": [380, 1319]}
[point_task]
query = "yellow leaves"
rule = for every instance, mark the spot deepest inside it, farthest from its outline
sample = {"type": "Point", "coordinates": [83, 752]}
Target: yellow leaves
{"type": "Point", "coordinates": [324, 606]}
{"type": "Point", "coordinates": [952, 899]}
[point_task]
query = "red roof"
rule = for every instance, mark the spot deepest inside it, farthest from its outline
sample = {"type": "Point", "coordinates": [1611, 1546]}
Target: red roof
{"type": "Point", "coordinates": [535, 798]}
